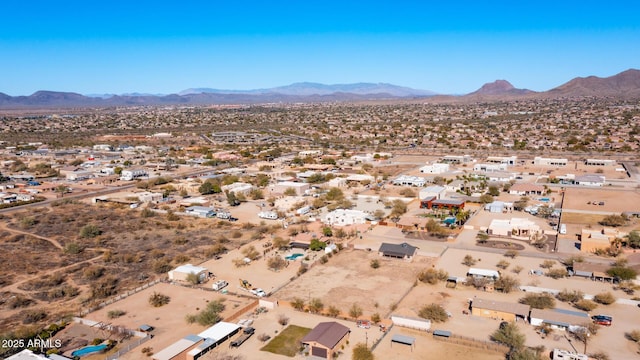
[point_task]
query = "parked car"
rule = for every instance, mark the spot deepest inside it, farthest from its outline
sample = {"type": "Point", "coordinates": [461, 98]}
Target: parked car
{"type": "Point", "coordinates": [602, 320]}
{"type": "Point", "coordinates": [258, 292]}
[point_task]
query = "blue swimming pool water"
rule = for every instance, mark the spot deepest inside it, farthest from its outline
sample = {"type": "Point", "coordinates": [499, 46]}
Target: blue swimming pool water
{"type": "Point", "coordinates": [544, 199]}
{"type": "Point", "coordinates": [293, 256]}
{"type": "Point", "coordinates": [88, 350]}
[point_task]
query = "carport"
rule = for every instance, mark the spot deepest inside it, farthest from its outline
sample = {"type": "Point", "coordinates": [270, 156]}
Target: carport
{"type": "Point", "coordinates": [402, 339]}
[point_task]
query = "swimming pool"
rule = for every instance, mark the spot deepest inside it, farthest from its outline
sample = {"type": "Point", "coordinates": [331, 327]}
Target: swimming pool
{"type": "Point", "coordinates": [89, 350]}
{"type": "Point", "coordinates": [544, 199]}
{"type": "Point", "coordinates": [293, 256]}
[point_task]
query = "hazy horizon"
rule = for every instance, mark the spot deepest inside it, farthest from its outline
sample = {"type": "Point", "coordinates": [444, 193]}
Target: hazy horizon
{"type": "Point", "coordinates": [162, 48]}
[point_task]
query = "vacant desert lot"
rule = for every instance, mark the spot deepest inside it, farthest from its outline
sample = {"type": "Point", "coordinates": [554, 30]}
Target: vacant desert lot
{"type": "Point", "coordinates": [348, 279]}
{"type": "Point", "coordinates": [168, 320]}
{"type": "Point", "coordinates": [615, 200]}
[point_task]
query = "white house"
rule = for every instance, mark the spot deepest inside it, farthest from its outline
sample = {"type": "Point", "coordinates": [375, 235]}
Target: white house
{"type": "Point", "coordinates": [182, 271]}
{"type": "Point", "coordinates": [298, 187]}
{"type": "Point", "coordinates": [513, 227]}
{"type": "Point", "coordinates": [506, 160]}
{"type": "Point", "coordinates": [457, 159]}
{"type": "Point", "coordinates": [345, 217]}
{"type": "Point", "coordinates": [590, 180]}
{"type": "Point", "coordinates": [131, 174]}
{"type": "Point", "coordinates": [490, 167]}
{"type": "Point", "coordinates": [483, 273]}
{"type": "Point", "coordinates": [79, 175]}
{"type": "Point", "coordinates": [431, 191]}
{"type": "Point", "coordinates": [549, 161]}
{"type": "Point", "coordinates": [436, 168]}
{"type": "Point", "coordinates": [409, 180]}
{"type": "Point", "coordinates": [147, 196]}
{"type": "Point", "coordinates": [238, 188]}
{"type": "Point", "coordinates": [200, 211]}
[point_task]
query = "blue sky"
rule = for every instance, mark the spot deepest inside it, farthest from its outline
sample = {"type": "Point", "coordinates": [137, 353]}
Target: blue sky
{"type": "Point", "coordinates": [165, 47]}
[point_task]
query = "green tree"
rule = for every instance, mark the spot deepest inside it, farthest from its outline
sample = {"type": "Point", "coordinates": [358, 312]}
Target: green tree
{"type": "Point", "coordinates": [624, 273]}
{"type": "Point", "coordinates": [317, 245]}
{"type": "Point", "coordinates": [507, 283]}
{"type": "Point", "coordinates": [486, 199]}
{"type": "Point", "coordinates": [509, 335]}
{"type": "Point", "coordinates": [539, 301]}
{"type": "Point", "coordinates": [494, 190]}
{"type": "Point", "coordinates": [208, 187]}
{"type": "Point", "coordinates": [208, 316]}
{"type": "Point", "coordinates": [633, 239]}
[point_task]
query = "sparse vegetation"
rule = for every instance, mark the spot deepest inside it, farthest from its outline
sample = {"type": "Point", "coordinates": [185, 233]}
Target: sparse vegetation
{"type": "Point", "coordinates": [208, 316]}
{"type": "Point", "coordinates": [157, 299]}
{"type": "Point", "coordinates": [434, 312]}
{"type": "Point", "coordinates": [539, 301]}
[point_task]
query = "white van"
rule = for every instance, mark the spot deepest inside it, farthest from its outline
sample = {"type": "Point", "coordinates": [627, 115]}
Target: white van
{"type": "Point", "coordinates": [563, 229]}
{"type": "Point", "coordinates": [219, 285]}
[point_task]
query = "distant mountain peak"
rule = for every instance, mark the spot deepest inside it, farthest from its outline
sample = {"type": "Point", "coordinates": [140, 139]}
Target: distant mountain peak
{"type": "Point", "coordinates": [624, 84]}
{"type": "Point", "coordinates": [499, 87]}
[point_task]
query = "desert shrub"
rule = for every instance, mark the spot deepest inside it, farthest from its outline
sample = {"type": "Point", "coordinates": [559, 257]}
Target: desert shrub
{"type": "Point", "coordinates": [433, 276]}
{"type": "Point", "coordinates": [468, 260]}
{"type": "Point", "coordinates": [114, 314]}
{"type": "Point", "coordinates": [624, 273]}
{"type": "Point", "coordinates": [517, 269]}
{"type": "Point", "coordinates": [585, 305]}
{"type": "Point", "coordinates": [276, 263]}
{"type": "Point", "coordinates": [215, 250]}
{"type": "Point", "coordinates": [503, 264]}
{"type": "Point", "coordinates": [507, 283]}
{"type": "Point", "coordinates": [324, 259]}
{"type": "Point", "coordinates": [18, 301]}
{"type": "Point", "coordinates": [90, 231]}
{"type": "Point", "coordinates": [633, 335]}
{"type": "Point", "coordinates": [181, 259]}
{"type": "Point", "coordinates": [355, 311]}
{"type": "Point", "coordinates": [605, 298]}
{"type": "Point", "coordinates": [93, 272]}
{"type": "Point", "coordinates": [161, 266]}
{"type": "Point", "coordinates": [570, 296]}
{"type": "Point", "coordinates": [539, 301]}
{"type": "Point", "coordinates": [375, 264]}
{"type": "Point", "coordinates": [557, 273]}
{"type": "Point", "coordinates": [315, 305]}
{"type": "Point", "coordinates": [33, 316]}
{"type": "Point", "coordinates": [333, 311]}
{"type": "Point", "coordinates": [547, 264]}
{"type": "Point", "coordinates": [511, 254]}
{"type": "Point", "coordinates": [298, 304]}
{"type": "Point", "coordinates": [571, 260]}
{"type": "Point", "coordinates": [376, 318]}
{"type": "Point", "coordinates": [208, 316]}
{"type": "Point", "coordinates": [72, 248]}
{"type": "Point", "coordinates": [614, 220]}
{"type": "Point", "coordinates": [103, 288]}
{"type": "Point", "coordinates": [302, 269]}
{"type": "Point", "coordinates": [157, 299]}
{"type": "Point", "coordinates": [283, 319]}
{"type": "Point", "coordinates": [433, 312]}
{"type": "Point", "coordinates": [599, 355]}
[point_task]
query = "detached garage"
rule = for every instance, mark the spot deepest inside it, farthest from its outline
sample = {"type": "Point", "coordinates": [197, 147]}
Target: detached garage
{"type": "Point", "coordinates": [182, 272]}
{"type": "Point", "coordinates": [325, 338]}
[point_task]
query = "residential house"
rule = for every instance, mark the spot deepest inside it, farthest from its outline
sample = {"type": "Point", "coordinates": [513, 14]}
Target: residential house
{"type": "Point", "coordinates": [432, 191]}
{"type": "Point", "coordinates": [400, 251]}
{"type": "Point", "coordinates": [341, 217]}
{"type": "Point", "coordinates": [326, 338]}
{"type": "Point", "coordinates": [505, 311]}
{"type": "Point", "coordinates": [516, 227]}
{"type": "Point", "coordinates": [525, 189]}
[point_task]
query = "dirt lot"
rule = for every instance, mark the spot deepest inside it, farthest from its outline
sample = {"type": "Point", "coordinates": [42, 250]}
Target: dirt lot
{"type": "Point", "coordinates": [168, 320]}
{"type": "Point", "coordinates": [348, 279]}
{"type": "Point", "coordinates": [615, 200]}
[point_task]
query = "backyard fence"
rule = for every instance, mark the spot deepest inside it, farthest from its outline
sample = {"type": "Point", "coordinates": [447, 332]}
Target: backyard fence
{"type": "Point", "coordinates": [99, 306]}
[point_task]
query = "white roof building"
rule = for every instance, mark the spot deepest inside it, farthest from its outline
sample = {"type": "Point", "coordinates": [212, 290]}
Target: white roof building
{"type": "Point", "coordinates": [519, 227]}
{"type": "Point", "coordinates": [238, 188]}
{"type": "Point", "coordinates": [182, 271]}
{"type": "Point", "coordinates": [432, 191]}
{"type": "Point", "coordinates": [437, 168]}
{"type": "Point", "coordinates": [341, 217]}
{"type": "Point", "coordinates": [475, 272]}
{"type": "Point", "coordinates": [409, 180]}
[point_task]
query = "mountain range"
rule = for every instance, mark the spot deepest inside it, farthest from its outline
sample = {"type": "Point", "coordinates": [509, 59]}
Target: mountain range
{"type": "Point", "coordinates": [623, 85]}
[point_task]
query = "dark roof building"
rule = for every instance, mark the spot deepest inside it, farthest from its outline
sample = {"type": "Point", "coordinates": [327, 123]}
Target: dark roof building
{"type": "Point", "coordinates": [325, 338]}
{"type": "Point", "coordinates": [401, 251]}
